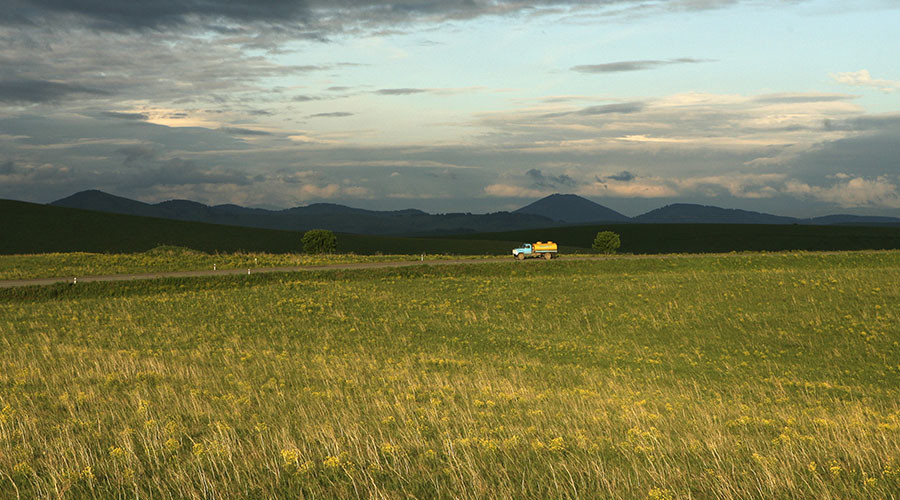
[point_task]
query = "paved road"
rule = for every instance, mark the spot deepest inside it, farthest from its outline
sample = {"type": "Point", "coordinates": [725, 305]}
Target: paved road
{"type": "Point", "coordinates": [225, 272]}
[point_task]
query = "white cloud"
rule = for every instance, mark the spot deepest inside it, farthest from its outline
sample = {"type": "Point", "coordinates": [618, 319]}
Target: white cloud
{"type": "Point", "coordinates": [880, 192]}
{"type": "Point", "coordinates": [510, 191]}
{"type": "Point", "coordinates": [331, 191]}
{"type": "Point", "coordinates": [650, 188]}
{"type": "Point", "coordinates": [737, 185]}
{"type": "Point", "coordinates": [862, 78]}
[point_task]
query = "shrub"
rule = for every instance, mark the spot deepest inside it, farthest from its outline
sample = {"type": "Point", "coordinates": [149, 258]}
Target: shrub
{"type": "Point", "coordinates": [319, 241]}
{"type": "Point", "coordinates": [606, 242]}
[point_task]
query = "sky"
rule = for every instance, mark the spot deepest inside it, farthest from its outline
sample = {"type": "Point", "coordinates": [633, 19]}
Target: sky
{"type": "Point", "coordinates": [781, 106]}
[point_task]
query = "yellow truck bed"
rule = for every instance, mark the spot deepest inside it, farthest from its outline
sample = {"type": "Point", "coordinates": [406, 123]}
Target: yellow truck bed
{"type": "Point", "coordinates": [544, 247]}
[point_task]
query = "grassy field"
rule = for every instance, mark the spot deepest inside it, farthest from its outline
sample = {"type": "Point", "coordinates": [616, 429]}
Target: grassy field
{"type": "Point", "coordinates": [744, 376]}
{"type": "Point", "coordinates": [167, 258]}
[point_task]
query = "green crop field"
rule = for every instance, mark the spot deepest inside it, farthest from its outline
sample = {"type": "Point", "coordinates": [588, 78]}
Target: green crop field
{"type": "Point", "coordinates": [712, 238]}
{"type": "Point", "coordinates": [736, 376]}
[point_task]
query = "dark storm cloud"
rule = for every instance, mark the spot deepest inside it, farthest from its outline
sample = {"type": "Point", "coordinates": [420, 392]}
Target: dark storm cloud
{"type": "Point", "coordinates": [624, 66]}
{"type": "Point", "coordinates": [334, 114]}
{"type": "Point", "coordinates": [539, 180]}
{"type": "Point", "coordinates": [180, 172]}
{"type": "Point", "coordinates": [865, 123]}
{"type": "Point", "coordinates": [603, 109]}
{"type": "Point", "coordinates": [7, 168]}
{"type": "Point", "coordinates": [135, 154]}
{"type": "Point", "coordinates": [147, 169]}
{"type": "Point", "coordinates": [125, 116]}
{"type": "Point", "coordinates": [137, 15]}
{"type": "Point", "coordinates": [802, 98]}
{"type": "Point", "coordinates": [309, 19]}
{"type": "Point", "coordinates": [16, 90]}
{"type": "Point", "coordinates": [243, 131]}
{"type": "Point", "coordinates": [623, 176]}
{"type": "Point", "coordinates": [402, 91]}
{"type": "Point", "coordinates": [871, 154]}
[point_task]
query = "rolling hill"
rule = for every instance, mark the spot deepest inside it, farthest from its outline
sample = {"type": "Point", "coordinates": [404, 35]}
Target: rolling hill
{"type": "Point", "coordinates": [555, 210]}
{"type": "Point", "coordinates": [686, 213]}
{"type": "Point", "coordinates": [316, 216]}
{"type": "Point", "coordinates": [35, 228]}
{"type": "Point", "coordinates": [572, 209]}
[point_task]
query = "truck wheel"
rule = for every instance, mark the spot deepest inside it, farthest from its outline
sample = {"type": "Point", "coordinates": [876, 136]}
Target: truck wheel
{"type": "Point", "coordinates": [548, 255]}
{"type": "Point", "coordinates": [521, 256]}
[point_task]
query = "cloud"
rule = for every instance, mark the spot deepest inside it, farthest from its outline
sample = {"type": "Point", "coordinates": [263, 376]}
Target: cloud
{"type": "Point", "coordinates": [641, 65]}
{"type": "Point", "coordinates": [310, 19]}
{"type": "Point", "coordinates": [862, 78]}
{"type": "Point", "coordinates": [401, 91]}
{"type": "Point", "coordinates": [623, 176]}
{"type": "Point", "coordinates": [883, 122]}
{"type": "Point", "coordinates": [113, 15]}
{"type": "Point", "coordinates": [7, 168]}
{"type": "Point", "coordinates": [539, 180]}
{"type": "Point", "coordinates": [134, 154]}
{"type": "Point", "coordinates": [243, 131]}
{"type": "Point", "coordinates": [649, 189]}
{"type": "Point", "coordinates": [603, 109]}
{"type": "Point", "coordinates": [331, 191]}
{"type": "Point", "coordinates": [801, 98]}
{"type": "Point", "coordinates": [181, 172]}
{"type": "Point", "coordinates": [512, 191]}
{"type": "Point", "coordinates": [126, 116]}
{"type": "Point", "coordinates": [857, 192]}
{"type": "Point", "coordinates": [20, 90]}
{"type": "Point", "coordinates": [736, 184]}
{"type": "Point", "coordinates": [333, 114]}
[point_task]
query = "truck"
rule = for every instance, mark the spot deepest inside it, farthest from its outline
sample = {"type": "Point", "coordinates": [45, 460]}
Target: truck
{"type": "Point", "coordinates": [546, 250]}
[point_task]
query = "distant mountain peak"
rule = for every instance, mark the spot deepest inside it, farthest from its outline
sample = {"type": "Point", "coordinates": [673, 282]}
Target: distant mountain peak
{"type": "Point", "coordinates": [571, 208]}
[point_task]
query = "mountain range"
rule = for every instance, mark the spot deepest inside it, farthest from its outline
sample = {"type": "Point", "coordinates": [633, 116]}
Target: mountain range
{"type": "Point", "coordinates": [552, 211]}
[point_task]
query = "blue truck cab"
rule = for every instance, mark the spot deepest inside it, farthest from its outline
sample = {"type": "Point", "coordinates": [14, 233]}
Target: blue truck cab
{"type": "Point", "coordinates": [525, 250]}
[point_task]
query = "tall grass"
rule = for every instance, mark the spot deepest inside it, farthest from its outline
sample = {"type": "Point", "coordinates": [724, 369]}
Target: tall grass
{"type": "Point", "coordinates": [761, 376]}
{"type": "Point", "coordinates": [171, 258]}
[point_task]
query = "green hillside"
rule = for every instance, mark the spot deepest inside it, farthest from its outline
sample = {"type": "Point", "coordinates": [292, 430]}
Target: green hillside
{"type": "Point", "coordinates": [35, 228]}
{"type": "Point", "coordinates": [709, 238]}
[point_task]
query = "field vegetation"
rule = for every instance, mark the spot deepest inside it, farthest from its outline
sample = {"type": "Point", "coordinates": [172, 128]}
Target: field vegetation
{"type": "Point", "coordinates": [170, 258]}
{"type": "Point", "coordinates": [742, 376]}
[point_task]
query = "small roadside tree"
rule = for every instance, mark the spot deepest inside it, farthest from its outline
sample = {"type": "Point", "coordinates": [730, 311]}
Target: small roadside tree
{"type": "Point", "coordinates": [607, 242]}
{"type": "Point", "coordinates": [319, 241]}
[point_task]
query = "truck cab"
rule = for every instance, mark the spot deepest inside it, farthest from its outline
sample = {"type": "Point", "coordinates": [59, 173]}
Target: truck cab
{"type": "Point", "coordinates": [525, 250]}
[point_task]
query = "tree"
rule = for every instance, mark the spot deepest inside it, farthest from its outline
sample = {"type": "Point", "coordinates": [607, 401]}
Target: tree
{"type": "Point", "coordinates": [606, 242]}
{"type": "Point", "coordinates": [319, 241]}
